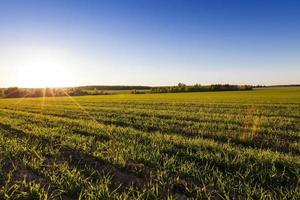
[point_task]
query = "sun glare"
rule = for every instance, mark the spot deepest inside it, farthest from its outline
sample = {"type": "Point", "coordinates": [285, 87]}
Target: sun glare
{"type": "Point", "coordinates": [44, 69]}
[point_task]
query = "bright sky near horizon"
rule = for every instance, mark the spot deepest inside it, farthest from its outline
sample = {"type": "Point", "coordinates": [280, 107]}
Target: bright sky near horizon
{"type": "Point", "coordinates": [148, 42]}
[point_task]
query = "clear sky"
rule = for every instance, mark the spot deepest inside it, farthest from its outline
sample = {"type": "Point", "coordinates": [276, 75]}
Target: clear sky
{"type": "Point", "coordinates": [148, 42]}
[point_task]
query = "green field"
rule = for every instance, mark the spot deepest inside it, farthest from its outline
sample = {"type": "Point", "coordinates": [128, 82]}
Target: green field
{"type": "Point", "coordinates": [209, 145]}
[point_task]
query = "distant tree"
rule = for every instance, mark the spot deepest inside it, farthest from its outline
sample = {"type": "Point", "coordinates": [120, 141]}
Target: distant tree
{"type": "Point", "coordinates": [38, 92]}
{"type": "Point", "coordinates": [12, 92]}
{"type": "Point", "coordinates": [59, 92]}
{"type": "Point", "coordinates": [49, 92]}
{"type": "Point", "coordinates": [76, 92]}
{"type": "Point", "coordinates": [1, 93]}
{"type": "Point", "coordinates": [181, 85]}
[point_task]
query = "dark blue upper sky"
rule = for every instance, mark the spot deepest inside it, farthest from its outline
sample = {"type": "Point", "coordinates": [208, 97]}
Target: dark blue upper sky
{"type": "Point", "coordinates": [151, 42]}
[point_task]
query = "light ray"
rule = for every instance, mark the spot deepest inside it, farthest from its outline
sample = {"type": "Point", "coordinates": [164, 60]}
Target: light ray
{"type": "Point", "coordinates": [83, 109]}
{"type": "Point", "coordinates": [248, 120]}
{"type": "Point", "coordinates": [43, 100]}
{"type": "Point", "coordinates": [21, 99]}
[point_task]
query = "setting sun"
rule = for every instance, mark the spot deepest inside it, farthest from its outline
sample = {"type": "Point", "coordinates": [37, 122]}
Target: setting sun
{"type": "Point", "coordinates": [44, 68]}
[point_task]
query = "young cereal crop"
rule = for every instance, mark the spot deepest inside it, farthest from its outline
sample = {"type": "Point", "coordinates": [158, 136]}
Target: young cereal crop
{"type": "Point", "coordinates": [213, 145]}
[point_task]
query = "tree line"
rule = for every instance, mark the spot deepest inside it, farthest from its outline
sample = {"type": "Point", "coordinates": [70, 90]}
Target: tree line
{"type": "Point", "coordinates": [15, 92]}
{"type": "Point", "coordinates": [181, 87]}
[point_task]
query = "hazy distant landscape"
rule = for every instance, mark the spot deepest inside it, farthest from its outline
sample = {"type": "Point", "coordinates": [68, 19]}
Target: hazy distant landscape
{"type": "Point", "coordinates": [15, 92]}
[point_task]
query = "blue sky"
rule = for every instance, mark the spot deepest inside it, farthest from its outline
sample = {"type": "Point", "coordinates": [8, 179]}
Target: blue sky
{"type": "Point", "coordinates": [149, 42]}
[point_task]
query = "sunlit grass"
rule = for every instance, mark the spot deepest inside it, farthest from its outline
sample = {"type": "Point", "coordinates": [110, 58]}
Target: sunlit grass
{"type": "Point", "coordinates": [152, 146]}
